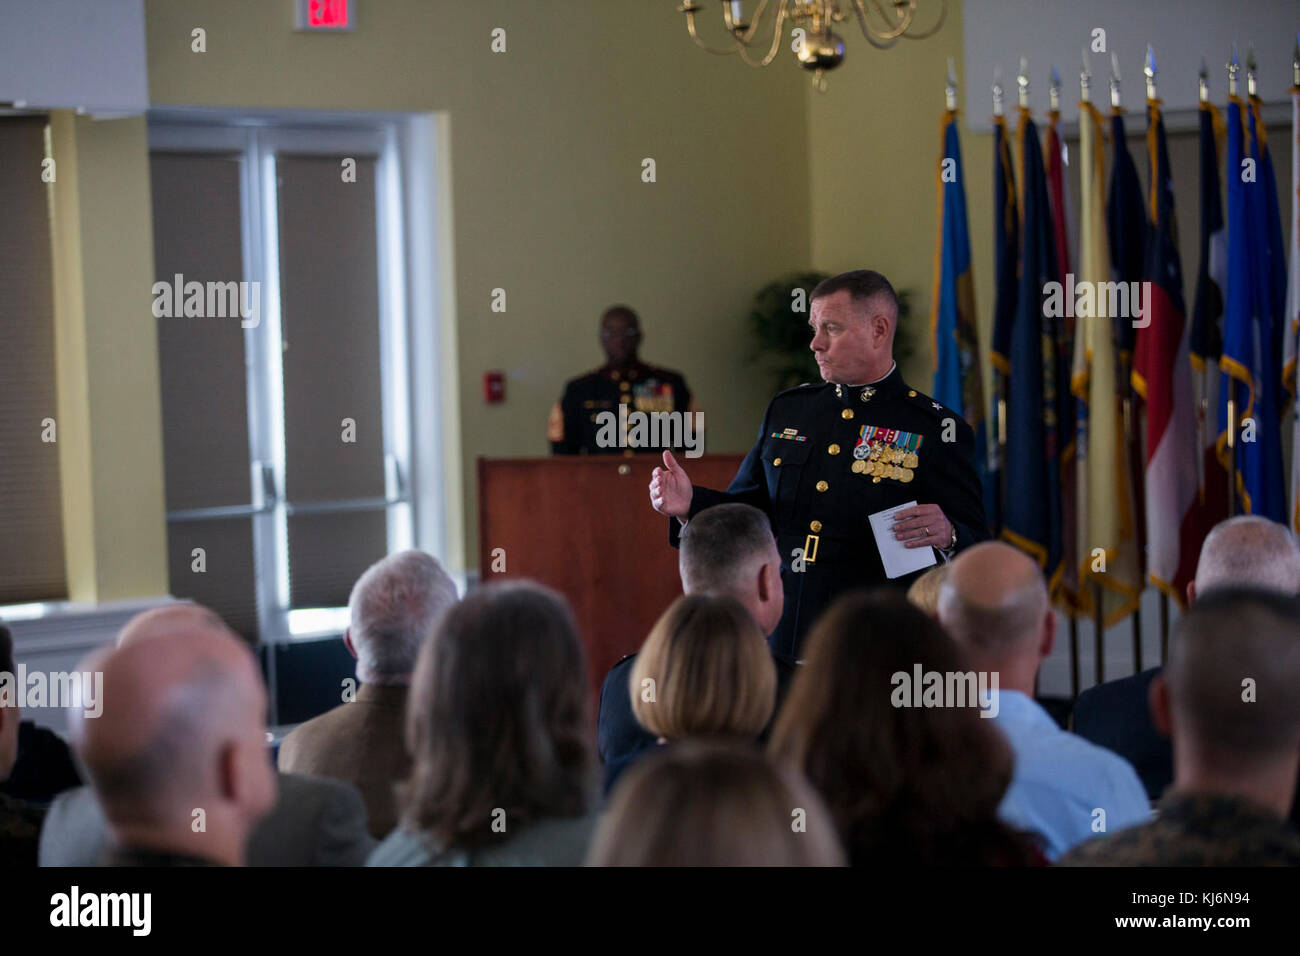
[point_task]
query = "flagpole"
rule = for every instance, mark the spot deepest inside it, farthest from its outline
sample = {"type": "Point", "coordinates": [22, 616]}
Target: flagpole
{"type": "Point", "coordinates": [1075, 599]}
{"type": "Point", "coordinates": [1233, 69]}
{"type": "Point", "coordinates": [1098, 600]}
{"type": "Point", "coordinates": [1126, 378]}
{"type": "Point", "coordinates": [1000, 399]}
{"type": "Point", "coordinates": [1149, 69]}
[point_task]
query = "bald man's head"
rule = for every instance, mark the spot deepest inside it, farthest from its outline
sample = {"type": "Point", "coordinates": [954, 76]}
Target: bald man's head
{"type": "Point", "coordinates": [994, 602]}
{"type": "Point", "coordinates": [183, 725]}
{"type": "Point", "coordinates": [180, 617]}
{"type": "Point", "coordinates": [1249, 552]}
{"type": "Point", "coordinates": [1233, 674]}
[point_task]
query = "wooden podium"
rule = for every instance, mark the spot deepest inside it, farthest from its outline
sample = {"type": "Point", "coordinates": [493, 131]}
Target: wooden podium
{"type": "Point", "coordinates": [583, 525]}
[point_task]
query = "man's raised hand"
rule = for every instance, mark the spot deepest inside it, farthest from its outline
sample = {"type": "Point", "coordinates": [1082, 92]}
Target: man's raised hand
{"type": "Point", "coordinates": [670, 489]}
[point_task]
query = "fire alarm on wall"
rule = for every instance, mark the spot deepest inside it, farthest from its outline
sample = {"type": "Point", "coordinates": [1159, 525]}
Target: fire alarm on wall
{"type": "Point", "coordinates": [494, 387]}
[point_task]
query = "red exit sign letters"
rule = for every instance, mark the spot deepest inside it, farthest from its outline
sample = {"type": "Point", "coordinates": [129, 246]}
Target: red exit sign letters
{"type": "Point", "coordinates": [331, 15]}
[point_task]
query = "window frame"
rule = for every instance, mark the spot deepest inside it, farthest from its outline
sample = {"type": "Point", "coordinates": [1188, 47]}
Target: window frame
{"type": "Point", "coordinates": [408, 504]}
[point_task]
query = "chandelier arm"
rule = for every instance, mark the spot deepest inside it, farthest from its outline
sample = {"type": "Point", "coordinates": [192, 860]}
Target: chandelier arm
{"type": "Point", "coordinates": [753, 24]}
{"type": "Point", "coordinates": [690, 28]}
{"type": "Point", "coordinates": [884, 36]}
{"type": "Point", "coordinates": [943, 15]}
{"type": "Point", "coordinates": [878, 44]}
{"type": "Point", "coordinates": [776, 38]}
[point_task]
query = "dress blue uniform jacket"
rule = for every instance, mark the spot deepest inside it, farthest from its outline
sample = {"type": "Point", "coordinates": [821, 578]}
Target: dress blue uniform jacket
{"type": "Point", "coordinates": [800, 472]}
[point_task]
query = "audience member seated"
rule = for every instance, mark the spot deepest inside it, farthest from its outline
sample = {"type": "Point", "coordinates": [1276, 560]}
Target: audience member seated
{"type": "Point", "coordinates": [924, 592]}
{"type": "Point", "coordinates": [44, 768]}
{"type": "Point", "coordinates": [315, 821]}
{"type": "Point", "coordinates": [20, 821]}
{"type": "Point", "coordinates": [1115, 715]}
{"type": "Point", "coordinates": [1246, 551]}
{"type": "Point", "coordinates": [705, 670]}
{"type": "Point", "coordinates": [994, 603]}
{"type": "Point", "coordinates": [710, 803]}
{"type": "Point", "coordinates": [729, 550]}
{"type": "Point", "coordinates": [1228, 699]}
{"type": "Point", "coordinates": [907, 785]}
{"type": "Point", "coordinates": [394, 607]}
{"type": "Point", "coordinates": [178, 757]}
{"type": "Point", "coordinates": [499, 729]}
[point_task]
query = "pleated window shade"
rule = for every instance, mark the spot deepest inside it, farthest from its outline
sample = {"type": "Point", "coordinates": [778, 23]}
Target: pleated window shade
{"type": "Point", "coordinates": [31, 518]}
{"type": "Point", "coordinates": [196, 222]}
{"type": "Point", "coordinates": [329, 300]}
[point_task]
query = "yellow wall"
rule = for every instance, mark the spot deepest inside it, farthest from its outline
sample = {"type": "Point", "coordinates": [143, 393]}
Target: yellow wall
{"type": "Point", "coordinates": [757, 174]}
{"type": "Point", "coordinates": [874, 143]}
{"type": "Point", "coordinates": [546, 147]}
{"type": "Point", "coordinates": [110, 423]}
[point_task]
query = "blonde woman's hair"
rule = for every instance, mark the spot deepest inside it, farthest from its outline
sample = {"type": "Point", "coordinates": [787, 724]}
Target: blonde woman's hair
{"type": "Point", "coordinates": [704, 670]}
{"type": "Point", "coordinates": [924, 592]}
{"type": "Point", "coordinates": [714, 803]}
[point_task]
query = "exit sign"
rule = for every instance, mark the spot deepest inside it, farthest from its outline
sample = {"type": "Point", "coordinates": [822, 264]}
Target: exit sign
{"type": "Point", "coordinates": [310, 15]}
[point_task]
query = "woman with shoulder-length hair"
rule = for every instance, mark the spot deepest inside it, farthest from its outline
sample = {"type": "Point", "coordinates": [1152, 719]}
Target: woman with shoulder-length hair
{"type": "Point", "coordinates": [905, 784]}
{"type": "Point", "coordinates": [498, 725]}
{"type": "Point", "coordinates": [715, 803]}
{"type": "Point", "coordinates": [704, 671]}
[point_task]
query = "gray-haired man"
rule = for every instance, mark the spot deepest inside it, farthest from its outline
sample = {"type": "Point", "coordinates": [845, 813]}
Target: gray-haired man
{"type": "Point", "coordinates": [394, 607]}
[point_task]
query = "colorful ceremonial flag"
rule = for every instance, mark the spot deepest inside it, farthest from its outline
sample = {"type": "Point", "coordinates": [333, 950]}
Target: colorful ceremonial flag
{"type": "Point", "coordinates": [1274, 264]}
{"type": "Point", "coordinates": [1252, 333]}
{"type": "Point", "coordinates": [1106, 515]}
{"type": "Point", "coordinates": [1293, 306]}
{"type": "Point", "coordinates": [1066, 412]}
{"type": "Point", "coordinates": [1205, 341]}
{"type": "Point", "coordinates": [1032, 503]}
{"type": "Point", "coordinates": [1006, 250]}
{"type": "Point", "coordinates": [1162, 376]}
{"type": "Point", "coordinates": [954, 339]}
{"type": "Point", "coordinates": [1126, 228]}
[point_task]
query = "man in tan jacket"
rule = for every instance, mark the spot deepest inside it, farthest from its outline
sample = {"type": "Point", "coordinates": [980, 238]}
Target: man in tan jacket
{"type": "Point", "coordinates": [394, 607]}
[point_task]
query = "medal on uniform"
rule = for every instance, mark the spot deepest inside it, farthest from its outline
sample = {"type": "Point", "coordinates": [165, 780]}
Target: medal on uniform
{"type": "Point", "coordinates": [886, 453]}
{"type": "Point", "coordinates": [912, 446]}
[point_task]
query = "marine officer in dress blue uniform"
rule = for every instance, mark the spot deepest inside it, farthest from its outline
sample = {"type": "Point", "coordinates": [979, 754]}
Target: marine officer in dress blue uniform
{"type": "Point", "coordinates": [623, 380]}
{"type": "Point", "coordinates": [831, 454]}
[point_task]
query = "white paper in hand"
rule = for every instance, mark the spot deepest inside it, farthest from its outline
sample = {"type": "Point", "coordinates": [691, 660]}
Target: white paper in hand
{"type": "Point", "coordinates": [895, 555]}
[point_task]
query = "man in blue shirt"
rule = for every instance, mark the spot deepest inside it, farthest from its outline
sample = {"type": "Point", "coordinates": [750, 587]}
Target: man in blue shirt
{"type": "Point", "coordinates": [994, 603]}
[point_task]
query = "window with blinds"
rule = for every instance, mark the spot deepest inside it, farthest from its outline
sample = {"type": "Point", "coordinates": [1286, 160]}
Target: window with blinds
{"type": "Point", "coordinates": [285, 472]}
{"type": "Point", "coordinates": [201, 364]}
{"type": "Point", "coordinates": [333, 404]}
{"type": "Point", "coordinates": [32, 565]}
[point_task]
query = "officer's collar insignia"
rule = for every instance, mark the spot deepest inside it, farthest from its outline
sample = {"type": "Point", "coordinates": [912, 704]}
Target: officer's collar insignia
{"type": "Point", "coordinates": [868, 392]}
{"type": "Point", "coordinates": [936, 405]}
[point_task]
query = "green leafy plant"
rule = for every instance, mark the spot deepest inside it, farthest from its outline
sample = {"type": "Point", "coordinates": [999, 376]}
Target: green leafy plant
{"type": "Point", "coordinates": [781, 334]}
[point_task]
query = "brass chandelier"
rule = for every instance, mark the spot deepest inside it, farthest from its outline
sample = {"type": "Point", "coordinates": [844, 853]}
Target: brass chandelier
{"type": "Point", "coordinates": [815, 44]}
